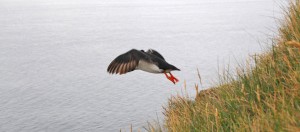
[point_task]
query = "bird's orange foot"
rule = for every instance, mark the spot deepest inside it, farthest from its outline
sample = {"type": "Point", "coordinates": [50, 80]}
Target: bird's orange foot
{"type": "Point", "coordinates": [172, 78]}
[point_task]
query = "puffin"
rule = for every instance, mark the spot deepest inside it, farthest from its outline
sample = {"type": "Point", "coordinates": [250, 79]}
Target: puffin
{"type": "Point", "coordinates": [150, 61]}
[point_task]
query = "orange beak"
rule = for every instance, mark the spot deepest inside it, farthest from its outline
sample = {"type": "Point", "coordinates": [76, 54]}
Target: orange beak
{"type": "Point", "coordinates": [171, 78]}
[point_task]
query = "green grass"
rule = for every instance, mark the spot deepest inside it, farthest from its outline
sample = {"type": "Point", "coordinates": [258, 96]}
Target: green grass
{"type": "Point", "coordinates": [264, 97]}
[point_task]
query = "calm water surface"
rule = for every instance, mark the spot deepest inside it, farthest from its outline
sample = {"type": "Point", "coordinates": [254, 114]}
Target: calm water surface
{"type": "Point", "coordinates": [54, 55]}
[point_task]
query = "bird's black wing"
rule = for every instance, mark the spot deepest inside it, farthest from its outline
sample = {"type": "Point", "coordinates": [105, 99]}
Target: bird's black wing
{"type": "Point", "coordinates": [127, 62]}
{"type": "Point", "coordinates": [154, 52]}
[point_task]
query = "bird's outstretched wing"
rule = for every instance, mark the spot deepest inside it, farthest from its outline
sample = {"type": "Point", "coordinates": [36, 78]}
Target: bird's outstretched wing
{"type": "Point", "coordinates": [154, 52]}
{"type": "Point", "coordinates": [127, 62]}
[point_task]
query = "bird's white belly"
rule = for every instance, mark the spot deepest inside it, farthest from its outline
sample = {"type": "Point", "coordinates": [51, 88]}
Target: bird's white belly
{"type": "Point", "coordinates": [148, 67]}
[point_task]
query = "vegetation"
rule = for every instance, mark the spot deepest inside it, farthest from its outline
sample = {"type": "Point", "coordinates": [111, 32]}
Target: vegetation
{"type": "Point", "coordinates": [263, 97]}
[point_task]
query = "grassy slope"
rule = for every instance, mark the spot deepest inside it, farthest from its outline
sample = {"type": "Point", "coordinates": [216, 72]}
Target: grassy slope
{"type": "Point", "coordinates": [265, 97]}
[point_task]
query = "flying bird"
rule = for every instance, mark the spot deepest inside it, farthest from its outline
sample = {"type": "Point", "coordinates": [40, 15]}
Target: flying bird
{"type": "Point", "coordinates": [150, 61]}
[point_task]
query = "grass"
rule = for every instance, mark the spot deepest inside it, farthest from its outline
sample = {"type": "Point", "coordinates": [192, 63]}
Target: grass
{"type": "Point", "coordinates": [264, 97]}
